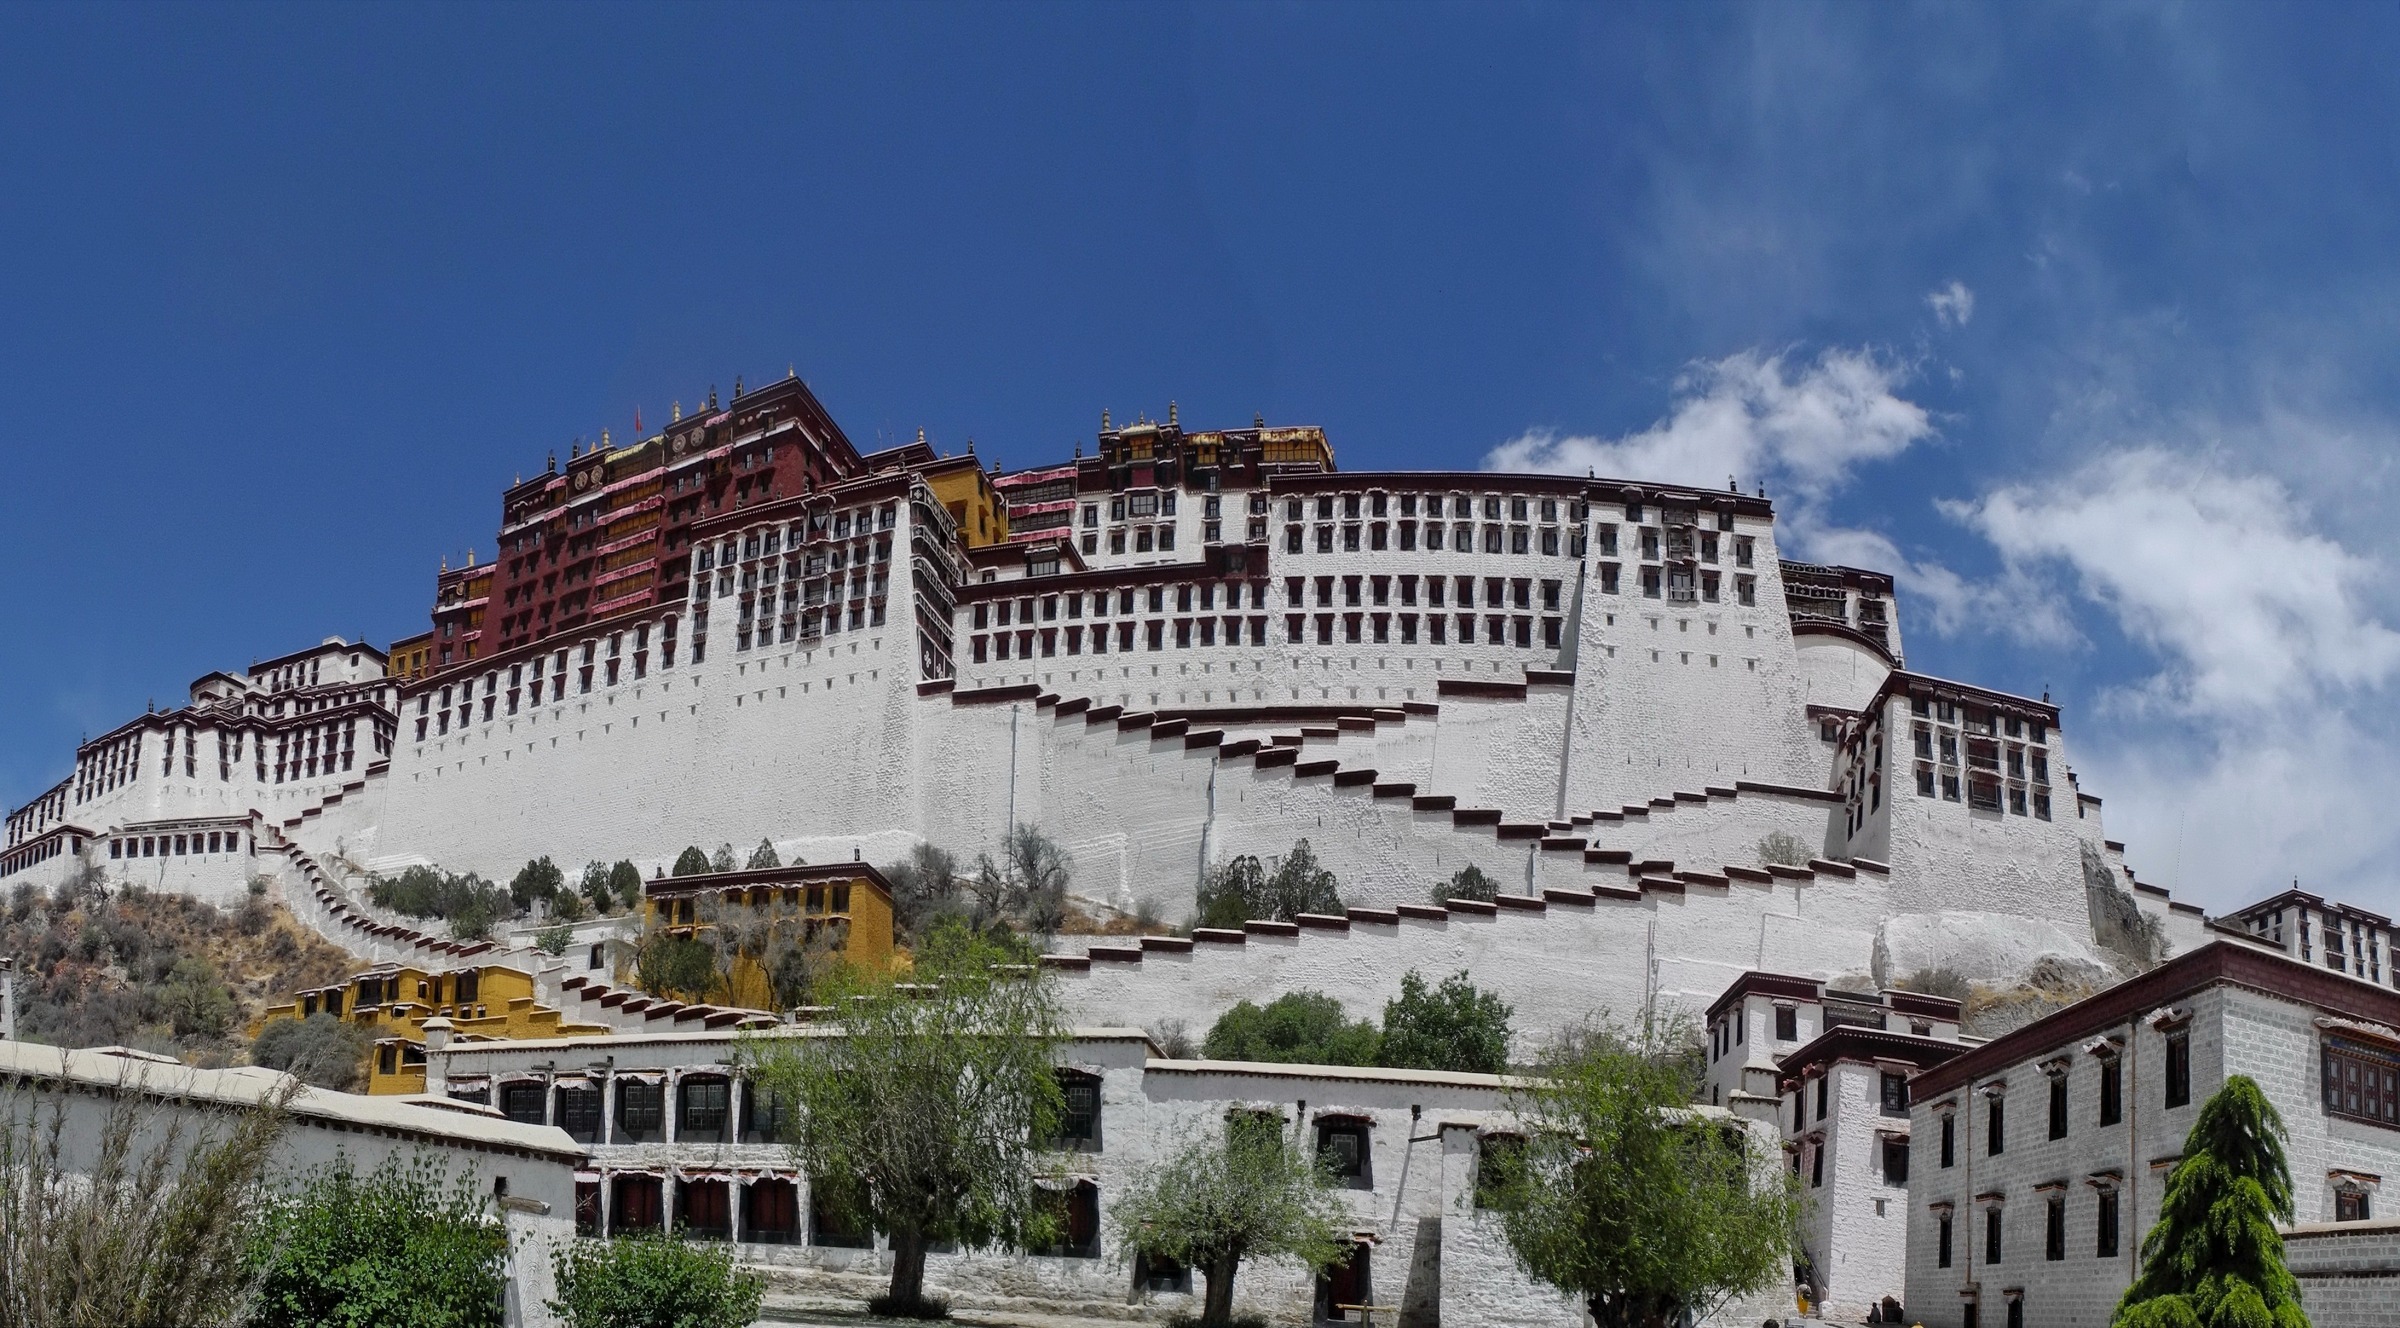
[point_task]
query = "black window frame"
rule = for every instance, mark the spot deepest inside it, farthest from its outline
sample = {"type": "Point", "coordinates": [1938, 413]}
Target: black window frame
{"type": "Point", "coordinates": [2179, 1068]}
{"type": "Point", "coordinates": [1358, 1172]}
{"type": "Point", "coordinates": [643, 1123]}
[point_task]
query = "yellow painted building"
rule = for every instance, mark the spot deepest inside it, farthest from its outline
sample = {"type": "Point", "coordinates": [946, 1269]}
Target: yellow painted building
{"type": "Point", "coordinates": [846, 905]}
{"type": "Point", "coordinates": [393, 1001]}
{"type": "Point", "coordinates": [960, 484]}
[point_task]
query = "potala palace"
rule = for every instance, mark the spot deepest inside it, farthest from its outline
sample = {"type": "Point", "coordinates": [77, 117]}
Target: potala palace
{"type": "Point", "coordinates": [1704, 776]}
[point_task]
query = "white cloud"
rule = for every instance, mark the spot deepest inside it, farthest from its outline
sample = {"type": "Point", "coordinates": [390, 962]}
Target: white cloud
{"type": "Point", "coordinates": [1952, 604]}
{"type": "Point", "coordinates": [1752, 417]}
{"type": "Point", "coordinates": [2248, 608]}
{"type": "Point", "coordinates": [1953, 304]}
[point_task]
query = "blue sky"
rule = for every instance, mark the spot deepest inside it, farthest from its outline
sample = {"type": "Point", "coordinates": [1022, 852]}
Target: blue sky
{"type": "Point", "coordinates": [2078, 318]}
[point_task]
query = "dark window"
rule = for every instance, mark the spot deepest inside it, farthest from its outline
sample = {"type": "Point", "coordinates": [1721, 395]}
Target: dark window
{"type": "Point", "coordinates": [1157, 1272]}
{"type": "Point", "coordinates": [1941, 1239]}
{"type": "Point", "coordinates": [2016, 1312]}
{"type": "Point", "coordinates": [1787, 1023]}
{"type": "Point", "coordinates": [635, 1205]}
{"type": "Point", "coordinates": [762, 1115]}
{"type": "Point", "coordinates": [2105, 1246]}
{"type": "Point", "coordinates": [641, 1112]}
{"type": "Point", "coordinates": [1079, 1124]}
{"type": "Point", "coordinates": [578, 1110]}
{"type": "Point", "coordinates": [704, 1209]}
{"type": "Point", "coordinates": [1895, 1094]}
{"type": "Point", "coordinates": [2362, 1082]}
{"type": "Point", "coordinates": [2112, 1091]}
{"type": "Point", "coordinates": [771, 1212]}
{"type": "Point", "coordinates": [1343, 1142]}
{"type": "Point", "coordinates": [1074, 1213]}
{"type": "Point", "coordinates": [1995, 1130]}
{"type": "Point", "coordinates": [2054, 1229]}
{"type": "Point", "coordinates": [1816, 1164]}
{"type": "Point", "coordinates": [827, 1227]}
{"type": "Point", "coordinates": [2351, 1206]}
{"type": "Point", "coordinates": [1495, 1154]}
{"type": "Point", "coordinates": [2179, 1068]}
{"type": "Point", "coordinates": [1991, 1235]}
{"type": "Point", "coordinates": [1949, 1140]}
{"type": "Point", "coordinates": [2058, 1107]}
{"type": "Point", "coordinates": [704, 1104]}
{"type": "Point", "coordinates": [1344, 1289]}
{"type": "Point", "coordinates": [587, 1208]}
{"type": "Point", "coordinates": [1895, 1160]}
{"type": "Point", "coordinates": [522, 1102]}
{"type": "Point", "coordinates": [1822, 1081]}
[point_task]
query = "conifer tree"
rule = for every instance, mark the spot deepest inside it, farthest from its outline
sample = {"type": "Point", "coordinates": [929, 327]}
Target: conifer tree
{"type": "Point", "coordinates": [691, 862]}
{"type": "Point", "coordinates": [764, 855]}
{"type": "Point", "coordinates": [2215, 1260]}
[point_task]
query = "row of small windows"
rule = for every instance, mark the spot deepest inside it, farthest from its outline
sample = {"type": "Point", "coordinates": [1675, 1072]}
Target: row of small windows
{"type": "Point", "coordinates": [2105, 1224]}
{"type": "Point", "coordinates": [176, 846]}
{"type": "Point", "coordinates": [547, 677]}
{"type": "Point", "coordinates": [817, 526]}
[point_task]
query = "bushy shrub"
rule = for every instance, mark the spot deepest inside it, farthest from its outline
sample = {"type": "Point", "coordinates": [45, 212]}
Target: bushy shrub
{"type": "Point", "coordinates": [1240, 890]}
{"type": "Point", "coordinates": [1301, 1027]}
{"type": "Point", "coordinates": [1468, 882]}
{"type": "Point", "coordinates": [653, 1281]}
{"type": "Point", "coordinates": [1454, 1026]}
{"type": "Point", "coordinates": [538, 880]}
{"type": "Point", "coordinates": [323, 1049]}
{"type": "Point", "coordinates": [404, 1246]}
{"type": "Point", "coordinates": [625, 882]}
{"type": "Point", "coordinates": [469, 903]}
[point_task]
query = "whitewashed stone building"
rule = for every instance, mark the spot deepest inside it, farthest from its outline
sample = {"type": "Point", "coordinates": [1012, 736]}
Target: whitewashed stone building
{"type": "Point", "coordinates": [2038, 1159]}
{"type": "Point", "coordinates": [528, 1170]}
{"type": "Point", "coordinates": [678, 1140]}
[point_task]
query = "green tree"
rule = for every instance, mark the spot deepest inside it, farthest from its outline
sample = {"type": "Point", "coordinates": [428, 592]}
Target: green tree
{"type": "Point", "coordinates": [1647, 1208]}
{"type": "Point", "coordinates": [1244, 1192]}
{"type": "Point", "coordinates": [679, 966]}
{"type": "Point", "coordinates": [691, 862]}
{"type": "Point", "coordinates": [554, 939]}
{"type": "Point", "coordinates": [920, 1119]}
{"type": "Point", "coordinates": [625, 882]}
{"type": "Point", "coordinates": [925, 887]}
{"type": "Point", "coordinates": [764, 855]}
{"type": "Point", "coordinates": [1300, 1027]}
{"type": "Point", "coordinates": [722, 860]}
{"type": "Point", "coordinates": [1233, 893]}
{"type": "Point", "coordinates": [568, 907]}
{"type": "Point", "coordinates": [197, 1002]}
{"type": "Point", "coordinates": [1783, 849]}
{"type": "Point", "coordinates": [1451, 1027]}
{"type": "Point", "coordinates": [1467, 882]}
{"type": "Point", "coordinates": [538, 880]}
{"type": "Point", "coordinates": [1300, 884]}
{"type": "Point", "coordinates": [1025, 886]}
{"type": "Point", "coordinates": [653, 1281]}
{"type": "Point", "coordinates": [404, 1246]}
{"type": "Point", "coordinates": [595, 887]}
{"type": "Point", "coordinates": [2215, 1259]}
{"type": "Point", "coordinates": [325, 1050]}
{"type": "Point", "coordinates": [153, 1229]}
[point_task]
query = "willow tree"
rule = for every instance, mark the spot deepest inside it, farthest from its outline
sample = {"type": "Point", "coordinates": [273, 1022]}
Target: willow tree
{"type": "Point", "coordinates": [1647, 1209]}
{"type": "Point", "coordinates": [1242, 1191]}
{"type": "Point", "coordinates": [2215, 1260]}
{"type": "Point", "coordinates": [920, 1113]}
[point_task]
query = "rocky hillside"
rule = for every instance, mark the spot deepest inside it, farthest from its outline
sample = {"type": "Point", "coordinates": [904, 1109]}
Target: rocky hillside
{"type": "Point", "coordinates": [161, 972]}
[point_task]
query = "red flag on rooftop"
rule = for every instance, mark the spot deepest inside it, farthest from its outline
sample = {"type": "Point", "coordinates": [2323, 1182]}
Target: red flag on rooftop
{"type": "Point", "coordinates": [637, 424]}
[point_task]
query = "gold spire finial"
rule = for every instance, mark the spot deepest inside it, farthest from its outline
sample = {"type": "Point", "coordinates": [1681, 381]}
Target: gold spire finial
{"type": "Point", "coordinates": [1170, 413]}
{"type": "Point", "coordinates": [678, 412]}
{"type": "Point", "coordinates": [920, 435]}
{"type": "Point", "coordinates": [791, 369]}
{"type": "Point", "coordinates": [604, 440]}
{"type": "Point", "coordinates": [1104, 419]}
